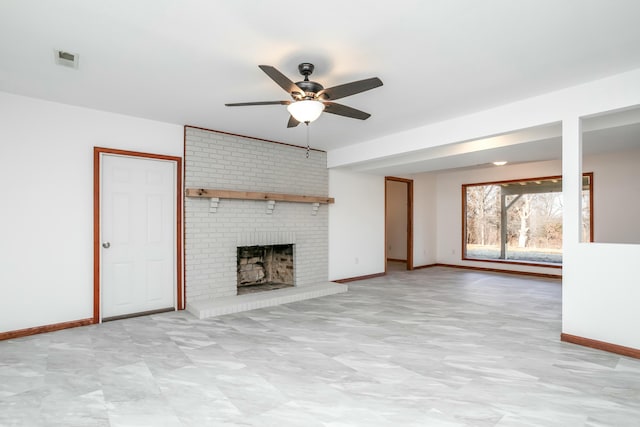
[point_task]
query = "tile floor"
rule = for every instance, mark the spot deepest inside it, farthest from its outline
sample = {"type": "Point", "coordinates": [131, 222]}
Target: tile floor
{"type": "Point", "coordinates": [432, 347]}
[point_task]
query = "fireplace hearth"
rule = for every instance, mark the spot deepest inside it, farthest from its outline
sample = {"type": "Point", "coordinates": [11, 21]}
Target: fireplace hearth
{"type": "Point", "coordinates": [264, 268]}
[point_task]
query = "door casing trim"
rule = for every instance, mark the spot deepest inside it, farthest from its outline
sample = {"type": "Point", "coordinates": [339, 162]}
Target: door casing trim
{"type": "Point", "coordinates": [97, 153]}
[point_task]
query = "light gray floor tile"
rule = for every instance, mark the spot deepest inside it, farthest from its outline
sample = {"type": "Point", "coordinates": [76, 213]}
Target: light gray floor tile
{"type": "Point", "coordinates": [432, 347]}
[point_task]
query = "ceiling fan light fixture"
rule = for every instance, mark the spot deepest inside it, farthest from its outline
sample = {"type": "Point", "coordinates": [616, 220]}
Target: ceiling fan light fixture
{"type": "Point", "coordinates": [310, 98]}
{"type": "Point", "coordinates": [306, 111]}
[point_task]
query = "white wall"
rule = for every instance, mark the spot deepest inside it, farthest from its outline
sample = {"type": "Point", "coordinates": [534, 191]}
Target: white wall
{"type": "Point", "coordinates": [601, 291]}
{"type": "Point", "coordinates": [356, 224]}
{"type": "Point", "coordinates": [46, 213]}
{"type": "Point", "coordinates": [396, 220]}
{"type": "Point", "coordinates": [616, 196]}
{"type": "Point", "coordinates": [424, 219]}
{"type": "Point", "coordinates": [601, 283]}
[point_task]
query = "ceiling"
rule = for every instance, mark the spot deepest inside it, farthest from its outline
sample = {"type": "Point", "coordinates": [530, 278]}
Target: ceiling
{"type": "Point", "coordinates": [180, 61]}
{"type": "Point", "coordinates": [615, 131]}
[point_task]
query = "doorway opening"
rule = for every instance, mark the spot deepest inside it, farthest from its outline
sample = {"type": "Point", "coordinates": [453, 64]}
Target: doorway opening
{"type": "Point", "coordinates": [398, 223]}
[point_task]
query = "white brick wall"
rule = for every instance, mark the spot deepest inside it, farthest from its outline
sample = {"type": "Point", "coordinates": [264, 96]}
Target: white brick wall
{"type": "Point", "coordinates": [219, 161]}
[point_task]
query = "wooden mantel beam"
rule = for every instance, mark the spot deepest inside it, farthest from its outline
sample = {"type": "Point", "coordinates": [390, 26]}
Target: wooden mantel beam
{"type": "Point", "coordinates": [254, 195]}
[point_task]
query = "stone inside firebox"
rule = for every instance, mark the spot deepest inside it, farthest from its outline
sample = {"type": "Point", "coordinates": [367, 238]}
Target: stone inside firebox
{"type": "Point", "coordinates": [264, 268]}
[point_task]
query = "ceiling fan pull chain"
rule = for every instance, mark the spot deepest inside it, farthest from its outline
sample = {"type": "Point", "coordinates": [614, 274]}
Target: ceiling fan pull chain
{"type": "Point", "coordinates": [307, 123]}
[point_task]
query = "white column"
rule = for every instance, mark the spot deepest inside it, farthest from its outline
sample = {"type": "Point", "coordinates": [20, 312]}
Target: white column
{"type": "Point", "coordinates": [571, 217]}
{"type": "Point", "coordinates": [571, 181]}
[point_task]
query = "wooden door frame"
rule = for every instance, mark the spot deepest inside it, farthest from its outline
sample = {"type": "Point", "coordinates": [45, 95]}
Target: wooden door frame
{"type": "Point", "coordinates": [409, 183]}
{"type": "Point", "coordinates": [97, 153]}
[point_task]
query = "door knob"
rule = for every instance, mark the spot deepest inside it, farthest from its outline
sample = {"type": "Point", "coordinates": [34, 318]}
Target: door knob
{"type": "Point", "coordinates": [106, 245]}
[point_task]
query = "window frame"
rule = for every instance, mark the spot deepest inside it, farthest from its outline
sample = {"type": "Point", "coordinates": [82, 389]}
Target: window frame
{"type": "Point", "coordinates": [463, 251]}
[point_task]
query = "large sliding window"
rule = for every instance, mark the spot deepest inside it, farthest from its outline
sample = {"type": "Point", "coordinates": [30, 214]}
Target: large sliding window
{"type": "Point", "coordinates": [519, 221]}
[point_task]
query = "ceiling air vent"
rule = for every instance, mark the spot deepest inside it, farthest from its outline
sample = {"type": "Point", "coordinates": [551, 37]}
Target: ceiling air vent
{"type": "Point", "coordinates": [66, 59]}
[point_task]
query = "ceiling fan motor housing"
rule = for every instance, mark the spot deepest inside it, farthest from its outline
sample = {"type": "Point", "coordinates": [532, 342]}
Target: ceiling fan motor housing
{"type": "Point", "coordinates": [310, 88]}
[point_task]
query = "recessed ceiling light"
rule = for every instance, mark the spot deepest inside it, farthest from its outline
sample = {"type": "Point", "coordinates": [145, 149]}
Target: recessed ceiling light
{"type": "Point", "coordinates": [500, 163]}
{"type": "Point", "coordinates": [66, 59]}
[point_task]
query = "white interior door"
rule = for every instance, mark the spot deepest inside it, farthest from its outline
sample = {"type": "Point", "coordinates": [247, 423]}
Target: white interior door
{"type": "Point", "coordinates": [137, 225]}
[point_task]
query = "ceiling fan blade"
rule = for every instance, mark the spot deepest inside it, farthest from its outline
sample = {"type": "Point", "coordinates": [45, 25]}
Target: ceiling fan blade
{"type": "Point", "coordinates": [343, 110]}
{"type": "Point", "coordinates": [347, 89]}
{"type": "Point", "coordinates": [242, 104]}
{"type": "Point", "coordinates": [282, 80]}
{"type": "Point", "coordinates": [292, 122]}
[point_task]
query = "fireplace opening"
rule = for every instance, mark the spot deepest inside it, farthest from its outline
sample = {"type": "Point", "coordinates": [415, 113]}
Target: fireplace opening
{"type": "Point", "coordinates": [264, 268]}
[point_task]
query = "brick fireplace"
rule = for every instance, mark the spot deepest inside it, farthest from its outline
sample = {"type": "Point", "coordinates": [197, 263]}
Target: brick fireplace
{"type": "Point", "coordinates": [215, 229]}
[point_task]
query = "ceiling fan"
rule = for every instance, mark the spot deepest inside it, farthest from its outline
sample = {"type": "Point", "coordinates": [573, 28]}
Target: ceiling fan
{"type": "Point", "coordinates": [310, 98]}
